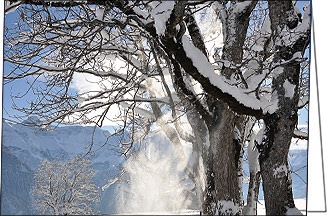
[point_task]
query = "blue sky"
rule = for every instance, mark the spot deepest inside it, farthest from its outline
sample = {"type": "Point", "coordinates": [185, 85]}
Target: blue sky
{"type": "Point", "coordinates": [16, 86]}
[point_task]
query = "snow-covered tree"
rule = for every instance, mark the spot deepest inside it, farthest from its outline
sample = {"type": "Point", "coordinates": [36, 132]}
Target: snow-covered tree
{"type": "Point", "coordinates": [65, 188]}
{"type": "Point", "coordinates": [203, 72]}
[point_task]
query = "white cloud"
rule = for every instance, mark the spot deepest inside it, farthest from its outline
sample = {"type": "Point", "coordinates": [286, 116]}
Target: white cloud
{"type": "Point", "coordinates": [88, 85]}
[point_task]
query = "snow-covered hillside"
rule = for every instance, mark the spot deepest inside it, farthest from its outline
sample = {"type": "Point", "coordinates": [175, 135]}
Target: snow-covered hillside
{"type": "Point", "coordinates": [23, 147]}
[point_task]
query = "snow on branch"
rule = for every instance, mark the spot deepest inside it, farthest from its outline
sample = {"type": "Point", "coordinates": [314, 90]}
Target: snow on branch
{"type": "Point", "coordinates": [300, 134]}
{"type": "Point", "coordinates": [235, 97]}
{"type": "Point", "coordinates": [289, 37]}
{"type": "Point", "coordinates": [11, 6]}
{"type": "Point", "coordinates": [303, 102]}
{"type": "Point", "coordinates": [161, 13]}
{"type": "Point", "coordinates": [239, 7]}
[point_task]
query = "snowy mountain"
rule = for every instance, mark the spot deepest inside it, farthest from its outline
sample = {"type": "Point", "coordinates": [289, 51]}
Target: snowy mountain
{"type": "Point", "coordinates": [17, 179]}
{"type": "Point", "coordinates": [23, 147]}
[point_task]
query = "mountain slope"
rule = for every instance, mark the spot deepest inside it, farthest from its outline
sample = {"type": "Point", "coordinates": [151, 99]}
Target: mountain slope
{"type": "Point", "coordinates": [15, 198]}
{"type": "Point", "coordinates": [24, 147]}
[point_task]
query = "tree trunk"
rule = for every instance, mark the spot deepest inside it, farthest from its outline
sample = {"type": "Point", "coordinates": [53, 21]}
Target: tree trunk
{"type": "Point", "coordinates": [255, 176]}
{"type": "Point", "coordinates": [223, 164]}
{"type": "Point", "coordinates": [222, 194]}
{"type": "Point", "coordinates": [252, 197]}
{"type": "Point", "coordinates": [280, 125]}
{"type": "Point", "coordinates": [199, 152]}
{"type": "Point", "coordinates": [279, 129]}
{"type": "Point", "coordinates": [273, 162]}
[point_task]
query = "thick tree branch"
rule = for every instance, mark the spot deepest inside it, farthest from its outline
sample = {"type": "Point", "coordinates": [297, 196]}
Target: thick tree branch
{"type": "Point", "coordinates": [194, 32]}
{"type": "Point", "coordinates": [187, 64]}
{"type": "Point", "coordinates": [176, 17]}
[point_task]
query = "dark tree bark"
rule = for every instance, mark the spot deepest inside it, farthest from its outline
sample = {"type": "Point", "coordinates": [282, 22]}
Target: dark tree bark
{"type": "Point", "coordinates": [281, 124]}
{"type": "Point", "coordinates": [273, 163]}
{"type": "Point", "coordinates": [223, 161]}
{"type": "Point", "coordinates": [222, 164]}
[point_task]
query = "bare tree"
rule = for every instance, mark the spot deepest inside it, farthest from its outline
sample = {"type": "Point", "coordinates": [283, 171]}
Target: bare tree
{"type": "Point", "coordinates": [65, 188]}
{"type": "Point", "coordinates": [154, 61]}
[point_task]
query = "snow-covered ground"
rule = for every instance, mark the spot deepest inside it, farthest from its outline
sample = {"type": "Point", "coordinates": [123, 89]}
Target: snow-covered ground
{"type": "Point", "coordinates": [300, 205]}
